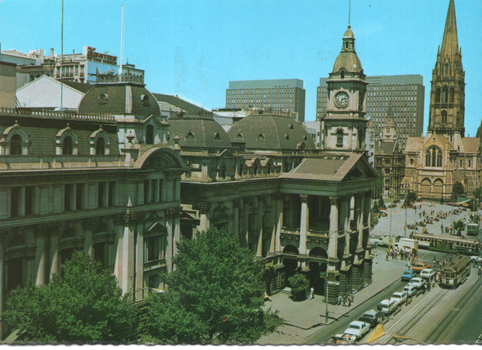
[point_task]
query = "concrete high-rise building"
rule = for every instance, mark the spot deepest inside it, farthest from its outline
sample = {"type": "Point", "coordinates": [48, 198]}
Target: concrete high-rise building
{"type": "Point", "coordinates": [281, 95]}
{"type": "Point", "coordinates": [404, 93]}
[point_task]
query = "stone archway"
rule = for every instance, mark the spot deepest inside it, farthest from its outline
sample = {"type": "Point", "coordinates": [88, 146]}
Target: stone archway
{"type": "Point", "coordinates": [290, 264]}
{"type": "Point", "coordinates": [318, 270]}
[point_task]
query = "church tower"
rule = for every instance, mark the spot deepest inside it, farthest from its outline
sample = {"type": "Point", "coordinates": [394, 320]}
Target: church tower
{"type": "Point", "coordinates": [389, 130]}
{"type": "Point", "coordinates": [447, 97]}
{"type": "Point", "coordinates": [345, 122]}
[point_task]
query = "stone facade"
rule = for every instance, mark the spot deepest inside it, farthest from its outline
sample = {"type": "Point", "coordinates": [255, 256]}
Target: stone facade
{"type": "Point", "coordinates": [434, 163]}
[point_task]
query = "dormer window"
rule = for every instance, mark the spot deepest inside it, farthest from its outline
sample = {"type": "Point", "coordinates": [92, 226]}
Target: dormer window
{"type": "Point", "coordinates": [190, 136]}
{"type": "Point", "coordinates": [100, 147]}
{"type": "Point", "coordinates": [261, 137]}
{"type": "Point", "coordinates": [239, 136]}
{"type": "Point", "coordinates": [102, 99]}
{"type": "Point", "coordinates": [67, 146]}
{"type": "Point", "coordinates": [16, 145]}
{"type": "Point", "coordinates": [150, 135]}
{"type": "Point", "coordinates": [145, 100]}
{"type": "Point", "coordinates": [217, 136]}
{"type": "Point", "coordinates": [99, 143]}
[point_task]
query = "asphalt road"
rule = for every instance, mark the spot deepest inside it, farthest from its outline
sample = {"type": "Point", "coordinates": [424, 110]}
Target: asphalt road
{"type": "Point", "coordinates": [462, 324]}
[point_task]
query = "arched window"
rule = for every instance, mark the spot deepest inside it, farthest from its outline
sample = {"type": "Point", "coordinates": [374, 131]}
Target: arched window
{"type": "Point", "coordinates": [339, 138]}
{"type": "Point", "coordinates": [342, 74]}
{"type": "Point", "coordinates": [67, 146]}
{"type": "Point", "coordinates": [438, 94]}
{"type": "Point", "coordinates": [99, 146]}
{"type": "Point", "coordinates": [444, 117]}
{"type": "Point", "coordinates": [445, 95]}
{"type": "Point", "coordinates": [150, 135]}
{"type": "Point", "coordinates": [452, 95]}
{"type": "Point", "coordinates": [16, 145]}
{"type": "Point", "coordinates": [433, 157]}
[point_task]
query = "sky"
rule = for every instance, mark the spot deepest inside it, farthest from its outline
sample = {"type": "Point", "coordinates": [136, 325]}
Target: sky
{"type": "Point", "coordinates": [193, 48]}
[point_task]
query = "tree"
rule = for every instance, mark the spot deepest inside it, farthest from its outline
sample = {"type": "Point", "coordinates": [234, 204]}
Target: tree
{"type": "Point", "coordinates": [381, 203]}
{"type": "Point", "coordinates": [410, 199]}
{"type": "Point", "coordinates": [477, 197]}
{"type": "Point", "coordinates": [299, 286]}
{"type": "Point", "coordinates": [214, 295]}
{"type": "Point", "coordinates": [83, 305]}
{"type": "Point", "coordinates": [459, 226]}
{"type": "Point", "coordinates": [457, 190]}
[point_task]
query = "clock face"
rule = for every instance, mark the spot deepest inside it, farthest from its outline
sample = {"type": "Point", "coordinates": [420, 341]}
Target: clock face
{"type": "Point", "coordinates": [341, 99]}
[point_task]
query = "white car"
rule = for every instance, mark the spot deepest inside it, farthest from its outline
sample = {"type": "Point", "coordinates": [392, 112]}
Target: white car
{"type": "Point", "coordinates": [410, 290]}
{"type": "Point", "coordinates": [401, 297]}
{"type": "Point", "coordinates": [358, 329]}
{"type": "Point", "coordinates": [476, 258]}
{"type": "Point", "coordinates": [427, 273]}
{"type": "Point", "coordinates": [416, 282]}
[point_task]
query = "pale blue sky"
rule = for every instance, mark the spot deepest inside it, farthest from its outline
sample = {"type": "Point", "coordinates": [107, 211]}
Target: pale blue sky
{"type": "Point", "coordinates": [194, 48]}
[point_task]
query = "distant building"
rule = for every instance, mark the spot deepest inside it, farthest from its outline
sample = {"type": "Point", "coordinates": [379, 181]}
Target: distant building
{"type": "Point", "coordinates": [443, 157]}
{"type": "Point", "coordinates": [281, 95]}
{"type": "Point", "coordinates": [405, 93]}
{"type": "Point", "coordinates": [313, 127]}
{"type": "Point", "coordinates": [7, 84]}
{"type": "Point", "coordinates": [389, 158]}
{"type": "Point", "coordinates": [76, 67]}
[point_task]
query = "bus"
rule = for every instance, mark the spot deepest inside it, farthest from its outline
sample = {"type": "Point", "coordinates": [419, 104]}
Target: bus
{"type": "Point", "coordinates": [472, 229]}
{"type": "Point", "coordinates": [447, 244]}
{"type": "Point", "coordinates": [455, 272]}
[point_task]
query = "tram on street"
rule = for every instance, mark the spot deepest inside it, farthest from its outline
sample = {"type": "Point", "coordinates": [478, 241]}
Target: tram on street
{"type": "Point", "coordinates": [472, 229]}
{"type": "Point", "coordinates": [447, 244]}
{"type": "Point", "coordinates": [455, 272]}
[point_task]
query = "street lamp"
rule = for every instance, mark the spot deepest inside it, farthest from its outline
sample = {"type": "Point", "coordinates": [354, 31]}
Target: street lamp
{"type": "Point", "coordinates": [405, 228]}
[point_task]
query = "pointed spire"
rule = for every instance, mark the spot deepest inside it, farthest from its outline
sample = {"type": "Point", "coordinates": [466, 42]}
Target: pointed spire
{"type": "Point", "coordinates": [450, 44]}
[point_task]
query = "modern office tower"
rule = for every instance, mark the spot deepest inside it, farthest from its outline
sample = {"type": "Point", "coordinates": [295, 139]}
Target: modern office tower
{"type": "Point", "coordinates": [281, 95]}
{"type": "Point", "coordinates": [404, 93]}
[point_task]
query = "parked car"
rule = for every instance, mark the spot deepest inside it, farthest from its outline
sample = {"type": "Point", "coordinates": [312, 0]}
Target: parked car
{"type": "Point", "coordinates": [388, 306]}
{"type": "Point", "coordinates": [408, 275]}
{"type": "Point", "coordinates": [410, 290]}
{"type": "Point", "coordinates": [476, 258]}
{"type": "Point", "coordinates": [401, 297]}
{"type": "Point", "coordinates": [370, 317]}
{"type": "Point", "coordinates": [418, 267]}
{"type": "Point", "coordinates": [358, 329]}
{"type": "Point", "coordinates": [427, 273]}
{"type": "Point", "coordinates": [416, 282]}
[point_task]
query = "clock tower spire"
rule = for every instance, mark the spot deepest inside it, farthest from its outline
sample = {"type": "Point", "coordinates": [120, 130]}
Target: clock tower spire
{"type": "Point", "coordinates": [345, 123]}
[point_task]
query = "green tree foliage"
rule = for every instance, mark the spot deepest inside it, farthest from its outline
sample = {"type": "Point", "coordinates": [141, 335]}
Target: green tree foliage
{"type": "Point", "coordinates": [381, 203]}
{"type": "Point", "coordinates": [213, 296]}
{"type": "Point", "coordinates": [459, 226]}
{"type": "Point", "coordinates": [410, 198]}
{"type": "Point", "coordinates": [299, 286]}
{"type": "Point", "coordinates": [83, 305]}
{"type": "Point", "coordinates": [457, 190]}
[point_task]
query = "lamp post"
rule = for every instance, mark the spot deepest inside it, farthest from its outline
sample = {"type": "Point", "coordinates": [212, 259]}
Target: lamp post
{"type": "Point", "coordinates": [405, 228]}
{"type": "Point", "coordinates": [326, 299]}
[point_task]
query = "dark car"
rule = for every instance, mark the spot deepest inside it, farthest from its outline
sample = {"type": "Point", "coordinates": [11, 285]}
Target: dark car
{"type": "Point", "coordinates": [370, 317]}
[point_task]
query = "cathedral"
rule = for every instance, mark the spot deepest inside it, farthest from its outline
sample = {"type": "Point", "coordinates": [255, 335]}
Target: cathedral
{"type": "Point", "coordinates": [443, 157]}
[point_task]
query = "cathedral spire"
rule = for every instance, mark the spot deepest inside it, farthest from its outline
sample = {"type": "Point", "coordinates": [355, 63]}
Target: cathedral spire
{"type": "Point", "coordinates": [450, 44]}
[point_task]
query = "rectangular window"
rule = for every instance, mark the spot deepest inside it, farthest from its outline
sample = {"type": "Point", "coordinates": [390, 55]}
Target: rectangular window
{"type": "Point", "coordinates": [100, 194]}
{"type": "Point", "coordinates": [29, 200]}
{"type": "Point", "coordinates": [14, 201]}
{"type": "Point", "coordinates": [68, 197]}
{"type": "Point", "coordinates": [111, 193]}
{"type": "Point", "coordinates": [160, 190]}
{"type": "Point", "coordinates": [147, 193]}
{"type": "Point", "coordinates": [153, 248]}
{"type": "Point", "coordinates": [80, 191]}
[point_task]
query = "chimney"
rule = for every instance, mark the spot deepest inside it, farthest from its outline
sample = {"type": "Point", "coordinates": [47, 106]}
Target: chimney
{"type": "Point", "coordinates": [52, 53]}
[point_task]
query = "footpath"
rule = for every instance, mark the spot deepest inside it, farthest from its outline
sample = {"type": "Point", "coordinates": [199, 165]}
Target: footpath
{"type": "Point", "coordinates": [302, 319]}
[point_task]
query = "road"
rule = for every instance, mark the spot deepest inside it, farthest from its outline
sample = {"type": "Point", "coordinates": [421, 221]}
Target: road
{"type": "Point", "coordinates": [427, 318]}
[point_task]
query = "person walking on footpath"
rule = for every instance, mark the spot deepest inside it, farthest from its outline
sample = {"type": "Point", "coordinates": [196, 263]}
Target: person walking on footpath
{"type": "Point", "coordinates": [349, 301]}
{"type": "Point", "coordinates": [339, 300]}
{"type": "Point", "coordinates": [312, 295]}
{"type": "Point", "coordinates": [343, 298]}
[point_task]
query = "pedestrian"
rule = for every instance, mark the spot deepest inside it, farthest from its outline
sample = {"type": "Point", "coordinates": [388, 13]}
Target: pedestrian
{"type": "Point", "coordinates": [312, 295]}
{"type": "Point", "coordinates": [344, 300]}
{"type": "Point", "coordinates": [349, 301]}
{"type": "Point", "coordinates": [352, 297]}
{"type": "Point", "coordinates": [339, 300]}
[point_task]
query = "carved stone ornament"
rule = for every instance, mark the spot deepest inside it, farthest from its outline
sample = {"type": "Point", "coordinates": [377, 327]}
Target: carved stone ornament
{"type": "Point", "coordinates": [173, 212]}
{"type": "Point", "coordinates": [304, 198]}
{"type": "Point", "coordinates": [334, 200]}
{"type": "Point", "coordinates": [155, 163]}
{"type": "Point", "coordinates": [89, 223]}
{"type": "Point", "coordinates": [204, 207]}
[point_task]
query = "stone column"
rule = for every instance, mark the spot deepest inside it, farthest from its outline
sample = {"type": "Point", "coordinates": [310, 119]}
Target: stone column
{"type": "Point", "coordinates": [279, 225]}
{"type": "Point", "coordinates": [236, 217]}
{"type": "Point", "coordinates": [88, 226]}
{"type": "Point", "coordinates": [128, 246]}
{"type": "Point", "coordinates": [40, 256]}
{"type": "Point", "coordinates": [304, 223]}
{"type": "Point", "coordinates": [204, 209]}
{"type": "Point", "coordinates": [259, 228]}
{"type": "Point", "coordinates": [359, 199]}
{"type": "Point", "coordinates": [139, 263]}
{"type": "Point", "coordinates": [54, 253]}
{"type": "Point", "coordinates": [21, 202]}
{"type": "Point", "coordinates": [333, 234]}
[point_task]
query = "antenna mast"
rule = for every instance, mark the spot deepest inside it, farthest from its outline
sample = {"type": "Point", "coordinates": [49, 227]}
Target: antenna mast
{"type": "Point", "coordinates": [122, 43]}
{"type": "Point", "coordinates": [349, 12]}
{"type": "Point", "coordinates": [62, 59]}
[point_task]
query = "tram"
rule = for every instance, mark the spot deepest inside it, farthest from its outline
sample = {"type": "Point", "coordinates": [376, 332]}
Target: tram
{"type": "Point", "coordinates": [447, 244]}
{"type": "Point", "coordinates": [472, 229]}
{"type": "Point", "coordinates": [455, 272]}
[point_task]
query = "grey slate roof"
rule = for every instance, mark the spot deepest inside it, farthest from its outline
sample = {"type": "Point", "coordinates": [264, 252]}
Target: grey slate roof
{"type": "Point", "coordinates": [116, 102]}
{"type": "Point", "coordinates": [177, 102]}
{"type": "Point", "coordinates": [270, 132]}
{"type": "Point", "coordinates": [78, 86]}
{"type": "Point", "coordinates": [197, 132]}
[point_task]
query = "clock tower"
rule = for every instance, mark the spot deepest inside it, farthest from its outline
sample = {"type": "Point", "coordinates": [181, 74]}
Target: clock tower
{"type": "Point", "coordinates": [345, 123]}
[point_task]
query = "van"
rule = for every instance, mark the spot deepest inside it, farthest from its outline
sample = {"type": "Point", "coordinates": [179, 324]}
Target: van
{"type": "Point", "coordinates": [388, 306]}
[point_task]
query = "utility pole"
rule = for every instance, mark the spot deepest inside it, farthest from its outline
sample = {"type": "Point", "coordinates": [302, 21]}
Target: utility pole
{"type": "Point", "coordinates": [326, 299]}
{"type": "Point", "coordinates": [405, 228]}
